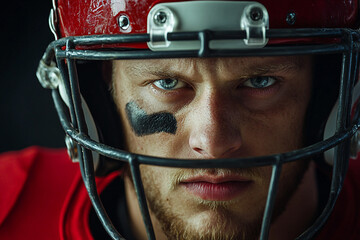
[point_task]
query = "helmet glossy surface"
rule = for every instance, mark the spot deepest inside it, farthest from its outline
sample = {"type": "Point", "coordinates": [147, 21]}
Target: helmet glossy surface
{"type": "Point", "coordinates": [78, 18]}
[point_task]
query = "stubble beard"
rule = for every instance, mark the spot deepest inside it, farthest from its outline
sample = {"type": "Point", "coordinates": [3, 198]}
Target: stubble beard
{"type": "Point", "coordinates": [226, 225]}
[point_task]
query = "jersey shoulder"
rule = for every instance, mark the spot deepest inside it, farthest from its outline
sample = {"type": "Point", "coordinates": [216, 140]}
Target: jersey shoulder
{"type": "Point", "coordinates": [34, 183]}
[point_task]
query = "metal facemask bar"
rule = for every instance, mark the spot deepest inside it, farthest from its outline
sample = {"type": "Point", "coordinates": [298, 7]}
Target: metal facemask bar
{"type": "Point", "coordinates": [66, 53]}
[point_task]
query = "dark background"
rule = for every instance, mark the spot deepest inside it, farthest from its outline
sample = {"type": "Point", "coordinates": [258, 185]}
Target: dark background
{"type": "Point", "coordinates": [27, 113]}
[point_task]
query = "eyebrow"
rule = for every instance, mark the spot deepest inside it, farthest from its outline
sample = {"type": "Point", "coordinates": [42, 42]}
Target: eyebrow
{"type": "Point", "coordinates": [164, 70]}
{"type": "Point", "coordinates": [140, 70]}
{"type": "Point", "coordinates": [261, 69]}
{"type": "Point", "coordinates": [156, 70]}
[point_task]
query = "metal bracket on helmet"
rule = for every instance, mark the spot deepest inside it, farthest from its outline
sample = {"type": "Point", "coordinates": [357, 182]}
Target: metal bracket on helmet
{"type": "Point", "coordinates": [197, 16]}
{"type": "Point", "coordinates": [49, 76]}
{"type": "Point", "coordinates": [255, 21]}
{"type": "Point", "coordinates": [161, 23]}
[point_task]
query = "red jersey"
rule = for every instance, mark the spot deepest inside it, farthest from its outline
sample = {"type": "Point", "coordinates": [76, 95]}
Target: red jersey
{"type": "Point", "coordinates": [43, 197]}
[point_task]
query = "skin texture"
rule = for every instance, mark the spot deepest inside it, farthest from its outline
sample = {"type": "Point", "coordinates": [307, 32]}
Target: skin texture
{"type": "Point", "coordinates": [219, 114]}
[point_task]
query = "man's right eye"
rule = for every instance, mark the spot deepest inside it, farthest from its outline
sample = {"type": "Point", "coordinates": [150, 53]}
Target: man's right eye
{"type": "Point", "coordinates": [169, 84]}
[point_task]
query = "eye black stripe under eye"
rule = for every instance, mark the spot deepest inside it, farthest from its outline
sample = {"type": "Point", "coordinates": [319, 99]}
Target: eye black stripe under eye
{"type": "Point", "coordinates": [146, 124]}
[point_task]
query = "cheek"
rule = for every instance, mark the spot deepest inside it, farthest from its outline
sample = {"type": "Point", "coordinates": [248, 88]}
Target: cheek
{"type": "Point", "coordinates": [157, 180]}
{"type": "Point", "coordinates": [277, 125]}
{"type": "Point", "coordinates": [159, 144]}
{"type": "Point", "coordinates": [277, 130]}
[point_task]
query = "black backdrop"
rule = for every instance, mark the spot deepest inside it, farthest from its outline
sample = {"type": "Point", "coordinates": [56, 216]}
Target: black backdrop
{"type": "Point", "coordinates": [27, 114]}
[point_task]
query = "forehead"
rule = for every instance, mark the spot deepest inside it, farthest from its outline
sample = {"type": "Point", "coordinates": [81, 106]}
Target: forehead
{"type": "Point", "coordinates": [243, 65]}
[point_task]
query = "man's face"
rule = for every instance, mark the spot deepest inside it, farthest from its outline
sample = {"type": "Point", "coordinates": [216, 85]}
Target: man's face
{"type": "Point", "coordinates": [213, 108]}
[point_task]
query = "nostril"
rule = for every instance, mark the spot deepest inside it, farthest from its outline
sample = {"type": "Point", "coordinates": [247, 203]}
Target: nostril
{"type": "Point", "coordinates": [199, 150]}
{"type": "Point", "coordinates": [232, 150]}
{"type": "Point", "coordinates": [202, 152]}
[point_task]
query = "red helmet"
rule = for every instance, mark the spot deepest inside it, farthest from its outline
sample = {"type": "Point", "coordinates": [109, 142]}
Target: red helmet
{"type": "Point", "coordinates": [120, 29]}
{"type": "Point", "coordinates": [80, 18]}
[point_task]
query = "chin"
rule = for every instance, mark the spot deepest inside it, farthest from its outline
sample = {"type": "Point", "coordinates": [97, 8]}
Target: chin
{"type": "Point", "coordinates": [214, 224]}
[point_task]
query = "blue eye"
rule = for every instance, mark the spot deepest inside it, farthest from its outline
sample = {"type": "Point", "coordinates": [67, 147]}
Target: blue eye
{"type": "Point", "coordinates": [259, 82]}
{"type": "Point", "coordinates": [168, 84]}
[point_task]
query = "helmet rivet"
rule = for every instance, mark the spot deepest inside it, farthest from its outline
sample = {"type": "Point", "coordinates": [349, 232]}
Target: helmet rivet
{"type": "Point", "coordinates": [291, 18]}
{"type": "Point", "coordinates": [71, 149]}
{"type": "Point", "coordinates": [256, 14]}
{"type": "Point", "coordinates": [160, 18]}
{"type": "Point", "coordinates": [124, 22]}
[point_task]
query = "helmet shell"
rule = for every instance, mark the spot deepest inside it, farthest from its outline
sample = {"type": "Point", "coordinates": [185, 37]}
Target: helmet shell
{"type": "Point", "coordinates": [86, 17]}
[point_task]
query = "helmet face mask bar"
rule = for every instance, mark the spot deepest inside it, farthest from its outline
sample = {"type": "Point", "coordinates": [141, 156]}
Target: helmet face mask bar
{"type": "Point", "coordinates": [70, 105]}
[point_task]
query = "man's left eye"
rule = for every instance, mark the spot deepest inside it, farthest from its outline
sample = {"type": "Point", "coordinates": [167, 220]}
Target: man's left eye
{"type": "Point", "coordinates": [169, 84]}
{"type": "Point", "coordinates": [259, 82]}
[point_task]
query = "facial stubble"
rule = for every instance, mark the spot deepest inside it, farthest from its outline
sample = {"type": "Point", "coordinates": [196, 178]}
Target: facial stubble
{"type": "Point", "coordinates": [224, 224]}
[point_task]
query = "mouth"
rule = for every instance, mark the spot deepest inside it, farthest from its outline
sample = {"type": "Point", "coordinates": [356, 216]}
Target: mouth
{"type": "Point", "coordinates": [214, 188]}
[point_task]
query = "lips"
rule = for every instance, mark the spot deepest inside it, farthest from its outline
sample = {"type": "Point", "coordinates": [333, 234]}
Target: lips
{"type": "Point", "coordinates": [216, 188]}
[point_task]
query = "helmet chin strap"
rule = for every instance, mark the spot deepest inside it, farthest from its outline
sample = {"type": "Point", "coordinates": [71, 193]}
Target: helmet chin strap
{"type": "Point", "coordinates": [330, 128]}
{"type": "Point", "coordinates": [90, 123]}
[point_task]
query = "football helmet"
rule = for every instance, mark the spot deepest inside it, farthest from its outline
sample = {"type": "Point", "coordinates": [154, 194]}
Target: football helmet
{"type": "Point", "coordinates": [123, 29]}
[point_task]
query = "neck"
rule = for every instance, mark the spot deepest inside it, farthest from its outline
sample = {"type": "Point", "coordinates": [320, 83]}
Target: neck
{"type": "Point", "coordinates": [300, 211]}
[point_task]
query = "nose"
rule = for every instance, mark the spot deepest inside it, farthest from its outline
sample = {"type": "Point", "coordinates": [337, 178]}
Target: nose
{"type": "Point", "coordinates": [215, 132]}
